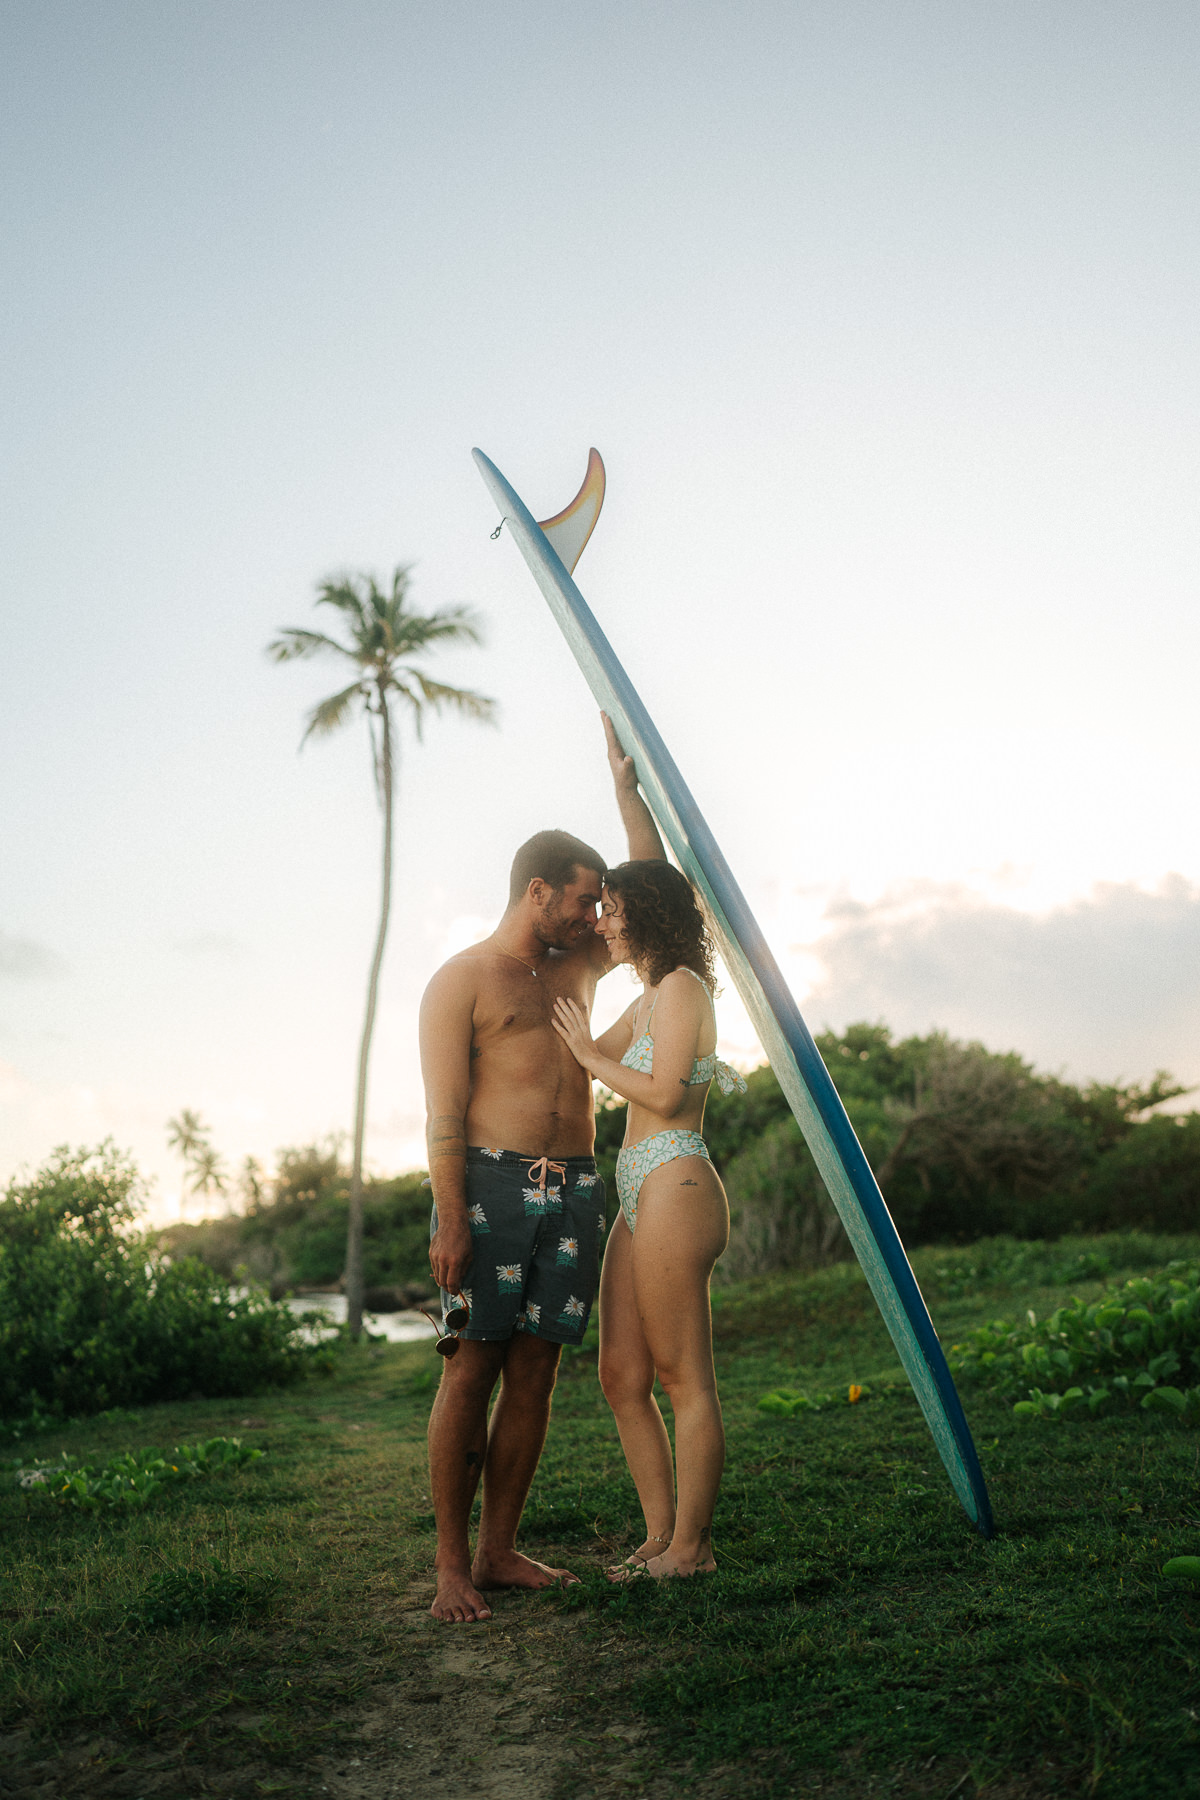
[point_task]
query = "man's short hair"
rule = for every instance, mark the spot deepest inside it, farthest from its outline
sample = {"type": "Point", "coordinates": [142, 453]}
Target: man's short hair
{"type": "Point", "coordinates": [553, 857]}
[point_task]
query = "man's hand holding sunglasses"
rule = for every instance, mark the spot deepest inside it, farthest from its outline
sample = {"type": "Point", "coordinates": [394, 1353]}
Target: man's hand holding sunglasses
{"type": "Point", "coordinates": [454, 1318]}
{"type": "Point", "coordinates": [451, 1251]}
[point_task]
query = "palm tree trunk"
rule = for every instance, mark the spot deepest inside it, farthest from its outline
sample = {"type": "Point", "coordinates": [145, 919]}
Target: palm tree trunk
{"type": "Point", "coordinates": [354, 1235]}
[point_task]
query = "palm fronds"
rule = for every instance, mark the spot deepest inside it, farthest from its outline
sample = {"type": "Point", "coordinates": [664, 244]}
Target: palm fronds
{"type": "Point", "coordinates": [331, 713]}
{"type": "Point", "coordinates": [381, 633]}
{"type": "Point", "coordinates": [293, 642]}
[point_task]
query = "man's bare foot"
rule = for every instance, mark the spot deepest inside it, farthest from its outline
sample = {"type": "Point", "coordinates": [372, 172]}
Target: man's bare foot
{"type": "Point", "coordinates": [458, 1601]}
{"type": "Point", "coordinates": [512, 1570]}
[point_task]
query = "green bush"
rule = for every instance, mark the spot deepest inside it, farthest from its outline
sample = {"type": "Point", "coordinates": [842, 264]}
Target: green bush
{"type": "Point", "coordinates": [129, 1481]}
{"type": "Point", "coordinates": [780, 1216]}
{"type": "Point", "coordinates": [94, 1315]}
{"type": "Point", "coordinates": [965, 1142]}
{"type": "Point", "coordinates": [1127, 1346]}
{"type": "Point", "coordinates": [294, 1235]}
{"type": "Point", "coordinates": [1008, 1262]}
{"type": "Point", "coordinates": [1150, 1177]}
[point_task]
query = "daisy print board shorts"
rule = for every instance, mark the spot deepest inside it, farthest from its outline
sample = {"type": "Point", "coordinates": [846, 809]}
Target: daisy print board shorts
{"type": "Point", "coordinates": [537, 1227]}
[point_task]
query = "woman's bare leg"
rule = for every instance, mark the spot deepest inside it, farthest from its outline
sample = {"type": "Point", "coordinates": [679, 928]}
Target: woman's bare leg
{"type": "Point", "coordinates": [627, 1378]}
{"type": "Point", "coordinates": [682, 1228]}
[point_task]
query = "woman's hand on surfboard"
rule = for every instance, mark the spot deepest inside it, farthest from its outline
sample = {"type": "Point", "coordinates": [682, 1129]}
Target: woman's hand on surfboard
{"type": "Point", "coordinates": [623, 772]}
{"type": "Point", "coordinates": [571, 1023]}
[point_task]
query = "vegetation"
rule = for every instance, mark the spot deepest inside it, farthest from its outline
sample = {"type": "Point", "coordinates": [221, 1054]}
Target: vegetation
{"type": "Point", "coordinates": [965, 1143]}
{"type": "Point", "coordinates": [131, 1479]}
{"type": "Point", "coordinates": [204, 1170]}
{"type": "Point", "coordinates": [93, 1315]}
{"type": "Point", "coordinates": [264, 1630]}
{"type": "Point", "coordinates": [292, 1233]}
{"type": "Point", "coordinates": [1130, 1345]}
{"type": "Point", "coordinates": [382, 638]}
{"type": "Point", "coordinates": [968, 1145]}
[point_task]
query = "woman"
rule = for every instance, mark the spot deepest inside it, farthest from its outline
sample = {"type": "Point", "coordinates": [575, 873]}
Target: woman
{"type": "Point", "coordinates": [655, 1317]}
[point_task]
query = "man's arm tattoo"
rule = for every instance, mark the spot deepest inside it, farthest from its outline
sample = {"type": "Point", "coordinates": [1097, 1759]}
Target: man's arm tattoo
{"type": "Point", "coordinates": [447, 1135]}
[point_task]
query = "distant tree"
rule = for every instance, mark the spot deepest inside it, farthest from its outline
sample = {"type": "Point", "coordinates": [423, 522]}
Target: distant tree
{"type": "Point", "coordinates": [188, 1134]}
{"type": "Point", "coordinates": [381, 637]}
{"type": "Point", "coordinates": [1111, 1111]}
{"type": "Point", "coordinates": [253, 1184]}
{"type": "Point", "coordinates": [209, 1175]}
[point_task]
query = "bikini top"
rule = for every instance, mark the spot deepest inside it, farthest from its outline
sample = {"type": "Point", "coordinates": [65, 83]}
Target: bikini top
{"type": "Point", "coordinates": [640, 1056]}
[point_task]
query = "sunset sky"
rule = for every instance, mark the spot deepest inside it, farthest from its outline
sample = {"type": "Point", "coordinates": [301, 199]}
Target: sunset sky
{"type": "Point", "coordinates": [883, 317]}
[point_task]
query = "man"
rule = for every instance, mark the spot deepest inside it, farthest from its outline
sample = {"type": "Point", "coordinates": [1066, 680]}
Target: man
{"type": "Point", "coordinates": [518, 1208]}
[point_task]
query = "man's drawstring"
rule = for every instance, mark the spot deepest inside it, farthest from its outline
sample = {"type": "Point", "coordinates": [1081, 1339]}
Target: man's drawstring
{"type": "Point", "coordinates": [539, 1170]}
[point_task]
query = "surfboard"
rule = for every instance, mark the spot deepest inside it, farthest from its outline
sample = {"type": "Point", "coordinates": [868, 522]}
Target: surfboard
{"type": "Point", "coordinates": [777, 1019]}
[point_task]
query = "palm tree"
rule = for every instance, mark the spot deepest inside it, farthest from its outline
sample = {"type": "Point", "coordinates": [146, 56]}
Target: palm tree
{"type": "Point", "coordinates": [381, 636]}
{"type": "Point", "coordinates": [189, 1135]}
{"type": "Point", "coordinates": [254, 1184]}
{"type": "Point", "coordinates": [208, 1171]}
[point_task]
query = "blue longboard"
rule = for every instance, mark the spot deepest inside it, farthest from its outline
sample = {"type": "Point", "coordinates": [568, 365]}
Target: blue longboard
{"type": "Point", "coordinates": [551, 552]}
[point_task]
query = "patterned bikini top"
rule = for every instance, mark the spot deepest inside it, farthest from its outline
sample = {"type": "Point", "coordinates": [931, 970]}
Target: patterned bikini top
{"type": "Point", "coordinates": [640, 1056]}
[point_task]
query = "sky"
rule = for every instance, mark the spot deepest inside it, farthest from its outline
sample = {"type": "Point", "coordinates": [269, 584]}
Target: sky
{"type": "Point", "coordinates": [882, 316]}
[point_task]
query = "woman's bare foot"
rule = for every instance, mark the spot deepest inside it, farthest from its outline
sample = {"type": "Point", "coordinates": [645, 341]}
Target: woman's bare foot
{"type": "Point", "coordinates": [512, 1570]}
{"type": "Point", "coordinates": [639, 1557]}
{"type": "Point", "coordinates": [662, 1568]}
{"type": "Point", "coordinates": [671, 1563]}
{"type": "Point", "coordinates": [458, 1601]}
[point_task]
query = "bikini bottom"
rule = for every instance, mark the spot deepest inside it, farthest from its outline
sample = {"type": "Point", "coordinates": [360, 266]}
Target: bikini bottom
{"type": "Point", "coordinates": [636, 1161]}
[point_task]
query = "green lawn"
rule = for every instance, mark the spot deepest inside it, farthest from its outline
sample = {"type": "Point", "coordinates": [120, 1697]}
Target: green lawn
{"type": "Point", "coordinates": [858, 1638]}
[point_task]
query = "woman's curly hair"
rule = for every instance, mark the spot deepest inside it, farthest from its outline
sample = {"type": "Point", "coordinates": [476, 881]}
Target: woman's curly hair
{"type": "Point", "coordinates": [664, 926]}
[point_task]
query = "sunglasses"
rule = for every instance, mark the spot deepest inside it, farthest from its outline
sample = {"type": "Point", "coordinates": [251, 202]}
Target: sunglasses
{"type": "Point", "coordinates": [455, 1318]}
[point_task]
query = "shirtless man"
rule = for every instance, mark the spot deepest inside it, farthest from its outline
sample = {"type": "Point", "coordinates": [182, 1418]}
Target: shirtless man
{"type": "Point", "coordinates": [518, 1207]}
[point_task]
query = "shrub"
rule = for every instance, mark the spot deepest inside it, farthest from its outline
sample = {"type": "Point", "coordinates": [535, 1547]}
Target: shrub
{"type": "Point", "coordinates": [294, 1235]}
{"type": "Point", "coordinates": [1127, 1346]}
{"type": "Point", "coordinates": [1151, 1177]}
{"type": "Point", "coordinates": [965, 1142]}
{"type": "Point", "coordinates": [1008, 1262]}
{"type": "Point", "coordinates": [780, 1213]}
{"type": "Point", "coordinates": [93, 1315]}
{"type": "Point", "coordinates": [129, 1481]}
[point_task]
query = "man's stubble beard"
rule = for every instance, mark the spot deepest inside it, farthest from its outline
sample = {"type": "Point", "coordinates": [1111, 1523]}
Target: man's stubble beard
{"type": "Point", "coordinates": [556, 932]}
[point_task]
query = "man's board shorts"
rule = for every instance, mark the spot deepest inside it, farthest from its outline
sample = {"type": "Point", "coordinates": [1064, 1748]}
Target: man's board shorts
{"type": "Point", "coordinates": [537, 1225]}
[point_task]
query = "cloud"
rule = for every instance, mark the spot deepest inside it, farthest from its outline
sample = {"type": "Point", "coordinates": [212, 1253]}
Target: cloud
{"type": "Point", "coordinates": [1107, 986]}
{"type": "Point", "coordinates": [22, 958]}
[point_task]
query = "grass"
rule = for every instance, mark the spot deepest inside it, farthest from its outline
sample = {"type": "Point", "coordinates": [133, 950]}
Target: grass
{"type": "Point", "coordinates": [859, 1638]}
{"type": "Point", "coordinates": [234, 1624]}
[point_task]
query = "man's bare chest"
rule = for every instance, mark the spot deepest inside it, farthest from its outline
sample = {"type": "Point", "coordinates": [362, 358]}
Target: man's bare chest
{"type": "Point", "coordinates": [509, 1010]}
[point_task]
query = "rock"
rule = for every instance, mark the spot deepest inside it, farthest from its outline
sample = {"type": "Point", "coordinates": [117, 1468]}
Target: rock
{"type": "Point", "coordinates": [419, 1293]}
{"type": "Point", "coordinates": [403, 1296]}
{"type": "Point", "coordinates": [383, 1299]}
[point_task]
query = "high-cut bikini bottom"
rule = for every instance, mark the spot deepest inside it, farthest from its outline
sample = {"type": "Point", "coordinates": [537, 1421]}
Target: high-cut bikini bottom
{"type": "Point", "coordinates": [636, 1161]}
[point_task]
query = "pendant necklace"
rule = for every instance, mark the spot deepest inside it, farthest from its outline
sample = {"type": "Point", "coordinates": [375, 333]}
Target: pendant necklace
{"type": "Point", "coordinates": [514, 958]}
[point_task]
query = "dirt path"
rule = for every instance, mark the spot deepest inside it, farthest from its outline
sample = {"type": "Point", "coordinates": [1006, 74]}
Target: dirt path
{"type": "Point", "coordinates": [494, 1722]}
{"type": "Point", "coordinates": [484, 1712]}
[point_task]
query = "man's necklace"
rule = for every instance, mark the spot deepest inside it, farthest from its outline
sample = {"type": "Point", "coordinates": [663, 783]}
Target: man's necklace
{"type": "Point", "coordinates": [519, 959]}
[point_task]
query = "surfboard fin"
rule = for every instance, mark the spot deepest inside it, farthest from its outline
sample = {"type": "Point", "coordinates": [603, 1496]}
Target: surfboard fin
{"type": "Point", "coordinates": [569, 530]}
